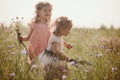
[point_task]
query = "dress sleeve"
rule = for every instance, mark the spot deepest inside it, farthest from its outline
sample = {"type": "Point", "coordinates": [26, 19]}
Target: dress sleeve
{"type": "Point", "coordinates": [51, 40]}
{"type": "Point", "coordinates": [31, 25]}
{"type": "Point", "coordinates": [54, 39]}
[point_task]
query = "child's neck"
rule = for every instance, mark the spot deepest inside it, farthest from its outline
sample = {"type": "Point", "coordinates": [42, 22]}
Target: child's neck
{"type": "Point", "coordinates": [56, 34]}
{"type": "Point", "coordinates": [43, 21]}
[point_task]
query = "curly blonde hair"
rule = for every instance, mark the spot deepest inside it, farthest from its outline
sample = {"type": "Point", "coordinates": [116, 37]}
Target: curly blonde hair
{"type": "Point", "coordinates": [62, 22]}
{"type": "Point", "coordinates": [39, 6]}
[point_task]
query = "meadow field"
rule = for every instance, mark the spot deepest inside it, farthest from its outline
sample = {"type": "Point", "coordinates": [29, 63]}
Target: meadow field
{"type": "Point", "coordinates": [96, 51]}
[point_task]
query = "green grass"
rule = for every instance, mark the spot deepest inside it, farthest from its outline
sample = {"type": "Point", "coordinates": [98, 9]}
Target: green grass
{"type": "Point", "coordinates": [100, 47]}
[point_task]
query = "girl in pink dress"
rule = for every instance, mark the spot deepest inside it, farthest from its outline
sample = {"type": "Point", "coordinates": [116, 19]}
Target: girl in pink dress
{"type": "Point", "coordinates": [39, 30]}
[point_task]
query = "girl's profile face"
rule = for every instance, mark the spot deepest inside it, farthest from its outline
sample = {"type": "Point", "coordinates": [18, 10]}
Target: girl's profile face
{"type": "Point", "coordinates": [65, 30]}
{"type": "Point", "coordinates": [45, 12]}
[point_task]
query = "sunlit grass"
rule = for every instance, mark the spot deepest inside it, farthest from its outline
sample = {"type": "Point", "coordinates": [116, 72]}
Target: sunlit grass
{"type": "Point", "coordinates": [99, 47]}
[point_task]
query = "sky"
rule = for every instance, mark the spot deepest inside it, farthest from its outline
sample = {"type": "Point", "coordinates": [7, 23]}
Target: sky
{"type": "Point", "coordinates": [83, 13]}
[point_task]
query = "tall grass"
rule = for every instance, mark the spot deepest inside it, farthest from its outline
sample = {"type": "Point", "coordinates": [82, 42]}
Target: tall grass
{"type": "Point", "coordinates": [99, 47]}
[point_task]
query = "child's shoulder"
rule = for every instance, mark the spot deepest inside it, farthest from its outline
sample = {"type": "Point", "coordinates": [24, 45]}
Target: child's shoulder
{"type": "Point", "coordinates": [55, 38]}
{"type": "Point", "coordinates": [31, 24]}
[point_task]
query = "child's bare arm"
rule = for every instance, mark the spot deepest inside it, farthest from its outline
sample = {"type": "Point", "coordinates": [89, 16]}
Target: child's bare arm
{"type": "Point", "coordinates": [60, 55]}
{"type": "Point", "coordinates": [69, 46]}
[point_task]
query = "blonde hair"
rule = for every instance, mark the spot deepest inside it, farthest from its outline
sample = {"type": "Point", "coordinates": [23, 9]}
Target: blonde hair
{"type": "Point", "coordinates": [39, 6]}
{"type": "Point", "coordinates": [62, 22]}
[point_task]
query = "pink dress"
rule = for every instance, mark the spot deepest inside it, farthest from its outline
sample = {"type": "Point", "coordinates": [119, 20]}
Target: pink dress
{"type": "Point", "coordinates": [39, 39]}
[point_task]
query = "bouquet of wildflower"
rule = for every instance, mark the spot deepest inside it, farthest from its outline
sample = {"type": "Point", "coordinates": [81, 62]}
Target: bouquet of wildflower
{"type": "Point", "coordinates": [17, 29]}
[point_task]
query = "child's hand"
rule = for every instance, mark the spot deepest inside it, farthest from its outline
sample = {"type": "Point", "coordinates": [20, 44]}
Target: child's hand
{"type": "Point", "coordinates": [70, 60]}
{"type": "Point", "coordinates": [69, 46]}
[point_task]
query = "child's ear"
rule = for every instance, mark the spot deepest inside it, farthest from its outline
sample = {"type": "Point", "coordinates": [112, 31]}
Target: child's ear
{"type": "Point", "coordinates": [38, 12]}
